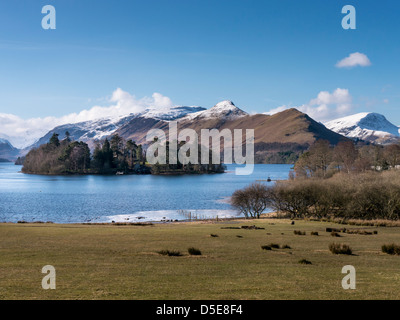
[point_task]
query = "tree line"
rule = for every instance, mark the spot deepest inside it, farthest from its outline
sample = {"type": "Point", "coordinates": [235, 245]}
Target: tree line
{"type": "Point", "coordinates": [346, 181]}
{"type": "Point", "coordinates": [323, 160]}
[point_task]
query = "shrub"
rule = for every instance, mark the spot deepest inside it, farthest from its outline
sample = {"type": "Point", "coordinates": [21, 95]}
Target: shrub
{"type": "Point", "coordinates": [194, 252]}
{"type": "Point", "coordinates": [314, 233]}
{"type": "Point", "coordinates": [335, 234]}
{"type": "Point", "coordinates": [299, 233]}
{"type": "Point", "coordinates": [304, 261]}
{"type": "Point", "coordinates": [274, 245]}
{"type": "Point", "coordinates": [391, 249]}
{"type": "Point", "coordinates": [286, 247]}
{"type": "Point", "coordinates": [338, 248]}
{"type": "Point", "coordinates": [170, 253]}
{"type": "Point", "coordinates": [364, 196]}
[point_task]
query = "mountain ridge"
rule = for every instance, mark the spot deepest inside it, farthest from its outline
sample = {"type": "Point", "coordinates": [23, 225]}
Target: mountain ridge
{"type": "Point", "coordinates": [288, 131]}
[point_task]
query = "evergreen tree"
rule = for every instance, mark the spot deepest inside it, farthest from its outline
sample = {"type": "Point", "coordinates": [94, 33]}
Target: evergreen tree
{"type": "Point", "coordinates": [54, 140]}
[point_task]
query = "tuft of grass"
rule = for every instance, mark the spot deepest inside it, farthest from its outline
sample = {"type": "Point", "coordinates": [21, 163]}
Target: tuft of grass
{"type": "Point", "coordinates": [274, 245]}
{"type": "Point", "coordinates": [338, 248]}
{"type": "Point", "coordinates": [335, 230]}
{"type": "Point", "coordinates": [286, 247]}
{"type": "Point", "coordinates": [335, 234]}
{"type": "Point", "coordinates": [391, 249]}
{"type": "Point", "coordinates": [362, 232]}
{"type": "Point", "coordinates": [314, 233]}
{"type": "Point", "coordinates": [194, 252]}
{"type": "Point", "coordinates": [299, 233]}
{"type": "Point", "coordinates": [304, 261]}
{"type": "Point", "coordinates": [230, 227]}
{"type": "Point", "coordinates": [170, 253]}
{"type": "Point", "coordinates": [266, 248]}
{"type": "Point", "coordinates": [252, 227]}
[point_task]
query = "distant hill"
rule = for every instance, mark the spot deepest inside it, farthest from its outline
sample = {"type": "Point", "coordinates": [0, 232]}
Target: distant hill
{"type": "Point", "coordinates": [7, 151]}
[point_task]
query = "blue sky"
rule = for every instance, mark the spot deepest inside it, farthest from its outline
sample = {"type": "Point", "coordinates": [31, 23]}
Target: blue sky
{"type": "Point", "coordinates": [262, 55]}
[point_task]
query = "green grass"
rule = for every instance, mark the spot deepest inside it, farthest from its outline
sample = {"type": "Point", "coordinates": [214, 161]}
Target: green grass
{"type": "Point", "coordinates": [122, 262]}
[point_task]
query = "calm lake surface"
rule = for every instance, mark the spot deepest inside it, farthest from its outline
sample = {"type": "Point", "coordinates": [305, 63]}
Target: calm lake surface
{"type": "Point", "coordinates": [70, 199]}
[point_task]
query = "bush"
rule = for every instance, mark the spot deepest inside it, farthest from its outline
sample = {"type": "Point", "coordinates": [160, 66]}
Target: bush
{"type": "Point", "coordinates": [299, 233]}
{"type": "Point", "coordinates": [304, 261]}
{"type": "Point", "coordinates": [170, 253]}
{"type": "Point", "coordinates": [194, 252]}
{"type": "Point", "coordinates": [367, 196]}
{"type": "Point", "coordinates": [338, 248]}
{"type": "Point", "coordinates": [391, 249]}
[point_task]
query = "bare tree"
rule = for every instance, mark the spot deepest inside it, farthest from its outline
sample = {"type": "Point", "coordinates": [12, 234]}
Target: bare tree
{"type": "Point", "coordinates": [252, 200]}
{"type": "Point", "coordinates": [346, 154]}
{"type": "Point", "coordinates": [391, 154]}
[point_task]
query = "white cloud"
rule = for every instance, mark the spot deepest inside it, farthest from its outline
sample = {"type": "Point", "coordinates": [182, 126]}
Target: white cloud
{"type": "Point", "coordinates": [326, 106]}
{"type": "Point", "coordinates": [353, 60]}
{"type": "Point", "coordinates": [23, 132]}
{"type": "Point", "coordinates": [276, 110]}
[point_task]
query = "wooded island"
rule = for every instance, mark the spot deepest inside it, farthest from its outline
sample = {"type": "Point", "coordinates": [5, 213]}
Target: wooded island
{"type": "Point", "coordinates": [114, 156]}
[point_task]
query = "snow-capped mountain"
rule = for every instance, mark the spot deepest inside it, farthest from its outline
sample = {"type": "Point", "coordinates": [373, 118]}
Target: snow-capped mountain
{"type": "Point", "coordinates": [101, 128]}
{"type": "Point", "coordinates": [226, 109]}
{"type": "Point", "coordinates": [368, 126]}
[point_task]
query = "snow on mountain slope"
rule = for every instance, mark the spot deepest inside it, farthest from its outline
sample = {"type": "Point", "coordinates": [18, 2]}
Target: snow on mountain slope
{"type": "Point", "coordinates": [170, 113]}
{"type": "Point", "coordinates": [367, 126]}
{"type": "Point", "coordinates": [226, 109]}
{"type": "Point", "coordinates": [101, 128]}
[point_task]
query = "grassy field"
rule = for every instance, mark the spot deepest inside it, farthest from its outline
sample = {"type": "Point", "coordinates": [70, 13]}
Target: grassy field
{"type": "Point", "coordinates": [121, 262]}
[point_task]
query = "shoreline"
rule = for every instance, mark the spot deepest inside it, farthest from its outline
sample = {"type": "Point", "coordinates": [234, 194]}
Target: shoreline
{"type": "Point", "coordinates": [126, 223]}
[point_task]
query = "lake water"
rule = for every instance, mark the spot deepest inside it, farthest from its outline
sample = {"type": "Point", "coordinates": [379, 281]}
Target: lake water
{"type": "Point", "coordinates": [70, 199]}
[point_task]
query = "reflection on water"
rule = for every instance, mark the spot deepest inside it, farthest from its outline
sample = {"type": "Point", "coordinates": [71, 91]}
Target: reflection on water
{"type": "Point", "coordinates": [65, 199]}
